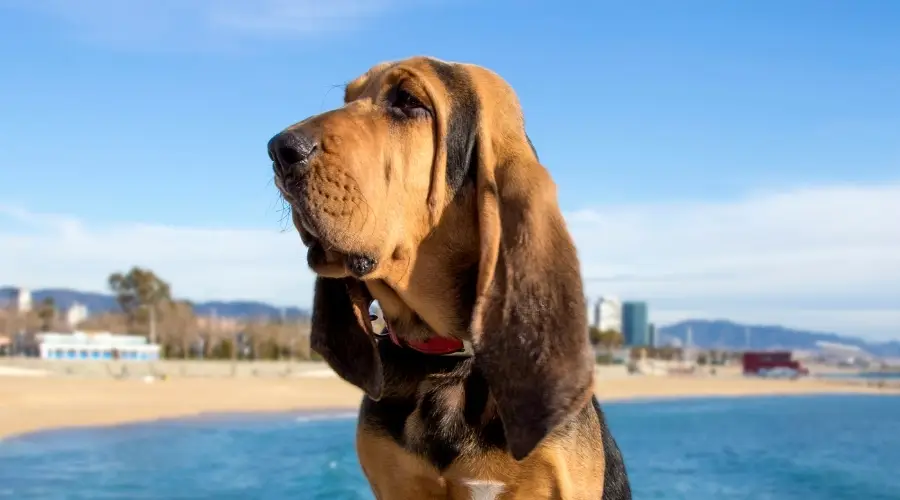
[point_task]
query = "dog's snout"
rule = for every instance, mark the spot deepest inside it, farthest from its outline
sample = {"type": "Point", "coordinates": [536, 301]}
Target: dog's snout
{"type": "Point", "coordinates": [291, 149]}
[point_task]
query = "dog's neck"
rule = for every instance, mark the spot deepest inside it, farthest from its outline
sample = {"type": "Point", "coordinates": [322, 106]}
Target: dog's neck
{"type": "Point", "coordinates": [439, 303]}
{"type": "Point", "coordinates": [435, 294]}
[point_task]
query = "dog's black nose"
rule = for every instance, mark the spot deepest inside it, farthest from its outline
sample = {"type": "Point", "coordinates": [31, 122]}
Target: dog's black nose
{"type": "Point", "coordinates": [360, 265]}
{"type": "Point", "coordinates": [291, 149]}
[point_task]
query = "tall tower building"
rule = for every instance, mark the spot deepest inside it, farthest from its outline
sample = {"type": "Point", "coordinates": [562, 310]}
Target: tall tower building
{"type": "Point", "coordinates": [634, 324]}
{"type": "Point", "coordinates": [608, 314]}
{"type": "Point", "coordinates": [21, 300]}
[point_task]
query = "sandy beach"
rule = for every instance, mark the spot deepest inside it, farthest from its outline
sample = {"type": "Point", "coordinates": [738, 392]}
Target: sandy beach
{"type": "Point", "coordinates": [32, 401]}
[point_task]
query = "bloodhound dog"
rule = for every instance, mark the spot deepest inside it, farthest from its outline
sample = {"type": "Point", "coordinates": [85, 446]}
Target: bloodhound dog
{"type": "Point", "coordinates": [424, 192]}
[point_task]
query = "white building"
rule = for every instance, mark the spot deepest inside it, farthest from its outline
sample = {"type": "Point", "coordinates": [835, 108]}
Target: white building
{"type": "Point", "coordinates": [96, 346]}
{"type": "Point", "coordinates": [842, 354]}
{"type": "Point", "coordinates": [608, 314]}
{"type": "Point", "coordinates": [75, 314]}
{"type": "Point", "coordinates": [21, 300]}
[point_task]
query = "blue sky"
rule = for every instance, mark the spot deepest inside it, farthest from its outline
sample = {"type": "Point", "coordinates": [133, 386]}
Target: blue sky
{"type": "Point", "coordinates": [717, 159]}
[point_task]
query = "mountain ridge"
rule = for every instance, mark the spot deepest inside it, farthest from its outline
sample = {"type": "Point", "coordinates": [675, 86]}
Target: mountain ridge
{"type": "Point", "coordinates": [97, 302]}
{"type": "Point", "coordinates": [705, 333]}
{"type": "Point", "coordinates": [725, 334]}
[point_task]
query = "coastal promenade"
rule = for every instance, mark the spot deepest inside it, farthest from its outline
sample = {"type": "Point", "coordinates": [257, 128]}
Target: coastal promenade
{"type": "Point", "coordinates": [37, 395]}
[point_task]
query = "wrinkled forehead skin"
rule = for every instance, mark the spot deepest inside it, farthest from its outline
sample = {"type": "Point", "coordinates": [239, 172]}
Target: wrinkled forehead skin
{"type": "Point", "coordinates": [470, 95]}
{"type": "Point", "coordinates": [466, 99]}
{"type": "Point", "coordinates": [449, 91]}
{"type": "Point", "coordinates": [423, 69]}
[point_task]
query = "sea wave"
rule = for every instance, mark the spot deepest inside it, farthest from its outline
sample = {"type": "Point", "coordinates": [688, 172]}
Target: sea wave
{"type": "Point", "coordinates": [780, 448]}
{"type": "Point", "coordinates": [318, 417]}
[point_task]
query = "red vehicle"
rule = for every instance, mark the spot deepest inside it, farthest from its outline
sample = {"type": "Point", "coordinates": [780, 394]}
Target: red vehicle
{"type": "Point", "coordinates": [772, 363]}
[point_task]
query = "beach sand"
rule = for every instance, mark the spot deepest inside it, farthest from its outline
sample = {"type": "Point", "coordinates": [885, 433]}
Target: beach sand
{"type": "Point", "coordinates": [31, 403]}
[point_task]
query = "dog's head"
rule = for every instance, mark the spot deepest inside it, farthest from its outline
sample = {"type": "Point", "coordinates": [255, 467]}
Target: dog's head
{"type": "Point", "coordinates": [425, 169]}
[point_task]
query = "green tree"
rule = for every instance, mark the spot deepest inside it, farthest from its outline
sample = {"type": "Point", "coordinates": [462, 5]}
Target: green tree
{"type": "Point", "coordinates": [260, 334]}
{"type": "Point", "coordinates": [223, 350]}
{"type": "Point", "coordinates": [611, 339]}
{"type": "Point", "coordinates": [46, 313]}
{"type": "Point", "coordinates": [178, 327]}
{"type": "Point", "coordinates": [595, 335]}
{"type": "Point", "coordinates": [140, 293]}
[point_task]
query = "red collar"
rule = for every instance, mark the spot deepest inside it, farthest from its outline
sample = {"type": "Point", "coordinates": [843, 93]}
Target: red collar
{"type": "Point", "coordinates": [435, 346]}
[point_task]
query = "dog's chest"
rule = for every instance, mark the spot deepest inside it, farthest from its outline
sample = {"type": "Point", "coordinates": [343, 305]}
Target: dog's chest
{"type": "Point", "coordinates": [453, 418]}
{"type": "Point", "coordinates": [484, 490]}
{"type": "Point", "coordinates": [450, 416]}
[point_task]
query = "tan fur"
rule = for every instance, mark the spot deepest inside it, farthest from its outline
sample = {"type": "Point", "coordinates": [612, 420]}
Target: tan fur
{"type": "Point", "coordinates": [395, 473]}
{"type": "Point", "coordinates": [378, 187]}
{"type": "Point", "coordinates": [362, 212]}
{"type": "Point", "coordinates": [565, 468]}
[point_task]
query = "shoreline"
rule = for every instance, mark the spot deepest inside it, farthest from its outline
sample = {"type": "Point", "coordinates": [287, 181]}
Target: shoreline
{"type": "Point", "coordinates": [33, 404]}
{"type": "Point", "coordinates": [339, 413]}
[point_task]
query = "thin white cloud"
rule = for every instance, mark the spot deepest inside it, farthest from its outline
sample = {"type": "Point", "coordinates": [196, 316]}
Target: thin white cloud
{"type": "Point", "coordinates": [48, 250]}
{"type": "Point", "coordinates": [206, 23]}
{"type": "Point", "coordinates": [823, 258]}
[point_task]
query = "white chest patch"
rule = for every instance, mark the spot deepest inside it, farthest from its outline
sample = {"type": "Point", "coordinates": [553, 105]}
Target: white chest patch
{"type": "Point", "coordinates": [484, 490]}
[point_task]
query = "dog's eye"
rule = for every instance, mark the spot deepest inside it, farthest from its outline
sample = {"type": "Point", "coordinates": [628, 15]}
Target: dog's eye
{"type": "Point", "coordinates": [405, 100]}
{"type": "Point", "coordinates": [406, 104]}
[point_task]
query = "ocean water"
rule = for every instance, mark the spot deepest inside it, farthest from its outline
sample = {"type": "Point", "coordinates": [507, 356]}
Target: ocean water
{"type": "Point", "coordinates": [779, 448]}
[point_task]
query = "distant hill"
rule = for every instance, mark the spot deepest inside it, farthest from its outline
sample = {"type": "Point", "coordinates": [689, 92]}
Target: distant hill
{"type": "Point", "coordinates": [100, 302]}
{"type": "Point", "coordinates": [722, 334]}
{"type": "Point", "coordinates": [708, 334]}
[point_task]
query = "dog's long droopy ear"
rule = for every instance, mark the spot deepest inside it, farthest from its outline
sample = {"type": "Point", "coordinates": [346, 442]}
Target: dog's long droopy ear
{"type": "Point", "coordinates": [529, 323]}
{"type": "Point", "coordinates": [341, 333]}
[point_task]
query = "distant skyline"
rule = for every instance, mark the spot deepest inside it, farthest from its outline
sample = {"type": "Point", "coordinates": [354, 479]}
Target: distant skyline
{"type": "Point", "coordinates": [736, 161]}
